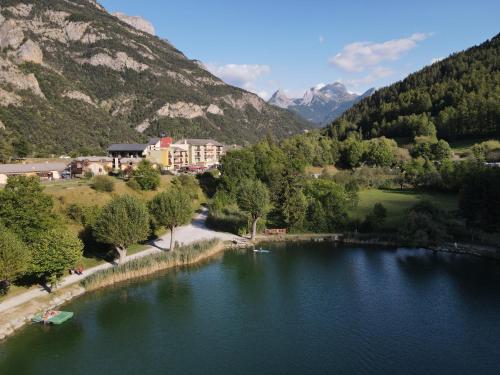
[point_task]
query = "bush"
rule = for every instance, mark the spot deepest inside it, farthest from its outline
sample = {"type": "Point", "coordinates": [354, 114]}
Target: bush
{"type": "Point", "coordinates": [103, 183]}
{"type": "Point", "coordinates": [228, 220]}
{"type": "Point", "coordinates": [88, 175]}
{"type": "Point", "coordinates": [147, 176]}
{"type": "Point", "coordinates": [134, 185]}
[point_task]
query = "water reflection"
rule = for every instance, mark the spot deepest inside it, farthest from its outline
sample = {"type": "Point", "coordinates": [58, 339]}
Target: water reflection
{"type": "Point", "coordinates": [303, 308]}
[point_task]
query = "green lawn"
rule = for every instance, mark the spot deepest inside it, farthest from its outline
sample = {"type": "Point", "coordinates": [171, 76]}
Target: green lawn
{"type": "Point", "coordinates": [397, 202]}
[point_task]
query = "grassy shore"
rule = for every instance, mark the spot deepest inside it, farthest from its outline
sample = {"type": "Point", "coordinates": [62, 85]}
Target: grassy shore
{"type": "Point", "coordinates": [150, 264]}
{"type": "Point", "coordinates": [397, 202]}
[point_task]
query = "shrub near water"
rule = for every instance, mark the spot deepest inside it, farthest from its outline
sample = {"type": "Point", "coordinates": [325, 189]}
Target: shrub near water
{"type": "Point", "coordinates": [152, 263]}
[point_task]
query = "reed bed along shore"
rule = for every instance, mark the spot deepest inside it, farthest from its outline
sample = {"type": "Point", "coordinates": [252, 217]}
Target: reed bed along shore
{"type": "Point", "coordinates": [150, 264]}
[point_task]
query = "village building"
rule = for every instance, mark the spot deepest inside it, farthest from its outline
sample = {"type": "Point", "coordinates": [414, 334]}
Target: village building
{"type": "Point", "coordinates": [46, 171]}
{"type": "Point", "coordinates": [179, 156]}
{"type": "Point", "coordinates": [188, 154]}
{"type": "Point", "coordinates": [95, 165]}
{"type": "Point", "coordinates": [203, 152]}
{"type": "Point", "coordinates": [156, 151]}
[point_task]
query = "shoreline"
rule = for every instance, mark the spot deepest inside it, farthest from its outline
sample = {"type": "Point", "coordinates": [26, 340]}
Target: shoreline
{"type": "Point", "coordinates": [17, 317]}
{"type": "Point", "coordinates": [481, 251]}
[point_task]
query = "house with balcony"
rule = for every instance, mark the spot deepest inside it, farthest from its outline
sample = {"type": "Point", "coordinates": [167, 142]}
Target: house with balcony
{"type": "Point", "coordinates": [203, 152]}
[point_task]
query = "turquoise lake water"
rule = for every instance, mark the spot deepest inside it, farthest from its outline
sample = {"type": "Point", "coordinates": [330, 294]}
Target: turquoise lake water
{"type": "Point", "coordinates": [301, 309]}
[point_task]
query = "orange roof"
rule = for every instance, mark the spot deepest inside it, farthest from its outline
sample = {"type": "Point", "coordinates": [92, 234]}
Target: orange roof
{"type": "Point", "coordinates": [166, 142]}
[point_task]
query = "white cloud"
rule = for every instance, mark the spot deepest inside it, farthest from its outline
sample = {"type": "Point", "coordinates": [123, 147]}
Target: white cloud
{"type": "Point", "coordinates": [358, 56]}
{"type": "Point", "coordinates": [321, 39]}
{"type": "Point", "coordinates": [376, 74]}
{"type": "Point", "coordinates": [241, 75]}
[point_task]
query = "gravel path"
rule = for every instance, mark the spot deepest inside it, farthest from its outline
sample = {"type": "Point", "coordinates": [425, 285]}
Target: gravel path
{"type": "Point", "coordinates": [194, 232]}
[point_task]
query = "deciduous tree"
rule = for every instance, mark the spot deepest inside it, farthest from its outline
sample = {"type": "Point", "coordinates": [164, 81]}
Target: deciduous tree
{"type": "Point", "coordinates": [53, 252]}
{"type": "Point", "coordinates": [171, 209]}
{"type": "Point", "coordinates": [14, 258]}
{"type": "Point", "coordinates": [253, 198]}
{"type": "Point", "coordinates": [121, 223]}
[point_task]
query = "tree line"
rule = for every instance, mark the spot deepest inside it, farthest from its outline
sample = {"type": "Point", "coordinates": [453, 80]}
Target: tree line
{"type": "Point", "coordinates": [454, 98]}
{"type": "Point", "coordinates": [36, 246]}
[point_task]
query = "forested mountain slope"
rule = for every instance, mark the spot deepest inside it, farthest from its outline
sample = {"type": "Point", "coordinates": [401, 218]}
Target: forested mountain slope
{"type": "Point", "coordinates": [74, 76]}
{"type": "Point", "coordinates": [459, 96]}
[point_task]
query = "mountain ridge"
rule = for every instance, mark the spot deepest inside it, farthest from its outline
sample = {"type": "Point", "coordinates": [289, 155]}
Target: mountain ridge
{"type": "Point", "coordinates": [73, 76]}
{"type": "Point", "coordinates": [320, 105]}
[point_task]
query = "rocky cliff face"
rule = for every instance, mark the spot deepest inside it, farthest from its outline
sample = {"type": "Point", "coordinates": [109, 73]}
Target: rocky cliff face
{"type": "Point", "coordinates": [74, 76]}
{"type": "Point", "coordinates": [137, 22]}
{"type": "Point", "coordinates": [320, 105]}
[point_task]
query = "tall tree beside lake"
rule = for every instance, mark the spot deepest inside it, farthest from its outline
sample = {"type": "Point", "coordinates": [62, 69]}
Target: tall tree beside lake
{"type": "Point", "coordinates": [171, 209]}
{"type": "Point", "coordinates": [14, 258]}
{"type": "Point", "coordinates": [24, 208]}
{"type": "Point", "coordinates": [121, 223]}
{"type": "Point", "coordinates": [54, 252]}
{"type": "Point", "coordinates": [253, 197]}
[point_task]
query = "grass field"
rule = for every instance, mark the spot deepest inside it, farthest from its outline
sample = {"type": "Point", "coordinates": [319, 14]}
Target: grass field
{"type": "Point", "coordinates": [78, 191]}
{"type": "Point", "coordinates": [397, 202]}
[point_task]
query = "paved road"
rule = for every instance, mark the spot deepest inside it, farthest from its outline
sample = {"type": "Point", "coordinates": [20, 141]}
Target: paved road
{"type": "Point", "coordinates": [194, 232]}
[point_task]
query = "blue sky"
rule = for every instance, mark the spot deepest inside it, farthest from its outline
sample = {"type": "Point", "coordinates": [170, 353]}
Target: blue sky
{"type": "Point", "coordinates": [293, 45]}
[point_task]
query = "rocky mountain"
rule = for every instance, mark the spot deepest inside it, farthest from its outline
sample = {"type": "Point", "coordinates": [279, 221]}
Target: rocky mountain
{"type": "Point", "coordinates": [320, 105]}
{"type": "Point", "coordinates": [75, 78]}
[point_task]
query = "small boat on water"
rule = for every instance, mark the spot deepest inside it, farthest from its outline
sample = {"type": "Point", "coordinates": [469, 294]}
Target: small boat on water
{"type": "Point", "coordinates": [53, 317]}
{"type": "Point", "coordinates": [261, 250]}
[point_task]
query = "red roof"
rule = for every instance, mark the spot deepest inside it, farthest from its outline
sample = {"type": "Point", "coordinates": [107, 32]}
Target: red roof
{"type": "Point", "coordinates": [166, 142]}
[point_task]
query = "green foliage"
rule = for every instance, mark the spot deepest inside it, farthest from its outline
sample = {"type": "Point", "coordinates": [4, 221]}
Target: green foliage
{"type": "Point", "coordinates": [54, 252]}
{"type": "Point", "coordinates": [457, 97]}
{"type": "Point", "coordinates": [172, 208]}
{"type": "Point", "coordinates": [380, 152]}
{"type": "Point", "coordinates": [146, 176]}
{"type": "Point", "coordinates": [237, 166]}
{"type": "Point", "coordinates": [133, 184]}
{"type": "Point", "coordinates": [328, 206]}
{"type": "Point", "coordinates": [208, 182]}
{"type": "Point", "coordinates": [480, 199]}
{"type": "Point", "coordinates": [122, 222]}
{"type": "Point", "coordinates": [14, 258]}
{"type": "Point", "coordinates": [228, 219]}
{"type": "Point", "coordinates": [367, 177]}
{"type": "Point", "coordinates": [425, 225]}
{"type": "Point", "coordinates": [85, 215]}
{"type": "Point", "coordinates": [295, 209]}
{"type": "Point", "coordinates": [253, 198]}
{"type": "Point", "coordinates": [187, 184]}
{"type": "Point", "coordinates": [103, 184]}
{"type": "Point", "coordinates": [432, 149]}
{"type": "Point", "coordinates": [24, 208]}
{"type": "Point", "coordinates": [487, 151]}
{"type": "Point", "coordinates": [375, 219]}
{"type": "Point", "coordinates": [352, 153]}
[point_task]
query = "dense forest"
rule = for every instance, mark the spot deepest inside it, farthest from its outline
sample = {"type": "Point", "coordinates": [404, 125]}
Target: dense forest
{"type": "Point", "coordinates": [455, 98]}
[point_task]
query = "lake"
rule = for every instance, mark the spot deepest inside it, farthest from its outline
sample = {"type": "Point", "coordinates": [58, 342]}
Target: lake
{"type": "Point", "coordinates": [301, 309]}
